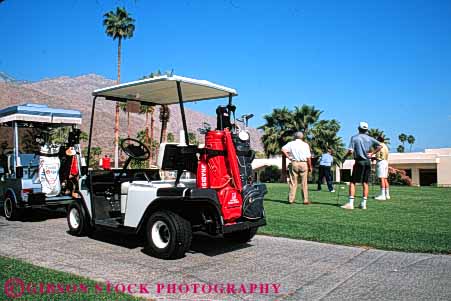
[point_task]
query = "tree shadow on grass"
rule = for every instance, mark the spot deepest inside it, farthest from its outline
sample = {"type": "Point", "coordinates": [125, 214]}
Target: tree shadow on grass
{"type": "Point", "coordinates": [277, 201]}
{"type": "Point", "coordinates": [300, 203]}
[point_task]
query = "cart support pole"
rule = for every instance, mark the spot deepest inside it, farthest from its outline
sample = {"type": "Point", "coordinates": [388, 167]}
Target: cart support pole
{"type": "Point", "coordinates": [182, 111]}
{"type": "Point", "coordinates": [16, 144]}
{"type": "Point", "coordinates": [90, 130]}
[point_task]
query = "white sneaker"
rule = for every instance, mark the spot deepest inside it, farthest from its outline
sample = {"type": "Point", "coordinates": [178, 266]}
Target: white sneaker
{"type": "Point", "coordinates": [380, 198]}
{"type": "Point", "coordinates": [363, 207]}
{"type": "Point", "coordinates": [348, 206]}
{"type": "Point", "coordinates": [388, 197]}
{"type": "Point", "coordinates": [333, 190]}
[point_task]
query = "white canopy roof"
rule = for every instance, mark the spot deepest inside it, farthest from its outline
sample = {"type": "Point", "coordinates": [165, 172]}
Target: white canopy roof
{"type": "Point", "coordinates": [39, 113]}
{"type": "Point", "coordinates": [163, 90]}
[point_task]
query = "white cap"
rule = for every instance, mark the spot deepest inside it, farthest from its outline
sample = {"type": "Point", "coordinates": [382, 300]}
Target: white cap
{"type": "Point", "coordinates": [363, 125]}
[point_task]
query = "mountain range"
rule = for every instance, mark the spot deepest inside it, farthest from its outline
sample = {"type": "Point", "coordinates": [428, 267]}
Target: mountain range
{"type": "Point", "coordinates": [75, 93]}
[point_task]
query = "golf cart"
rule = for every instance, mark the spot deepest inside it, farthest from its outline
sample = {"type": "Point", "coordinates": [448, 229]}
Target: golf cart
{"type": "Point", "coordinates": [39, 158]}
{"type": "Point", "coordinates": [221, 200]}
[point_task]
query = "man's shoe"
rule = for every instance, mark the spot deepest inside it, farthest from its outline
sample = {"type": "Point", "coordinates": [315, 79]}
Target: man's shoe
{"type": "Point", "coordinates": [333, 190]}
{"type": "Point", "coordinates": [387, 197]}
{"type": "Point", "coordinates": [363, 207]}
{"type": "Point", "coordinates": [307, 203]}
{"type": "Point", "coordinates": [347, 206]}
{"type": "Point", "coordinates": [380, 198]}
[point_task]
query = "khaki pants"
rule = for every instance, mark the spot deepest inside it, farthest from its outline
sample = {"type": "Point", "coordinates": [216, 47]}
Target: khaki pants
{"type": "Point", "coordinates": [298, 169]}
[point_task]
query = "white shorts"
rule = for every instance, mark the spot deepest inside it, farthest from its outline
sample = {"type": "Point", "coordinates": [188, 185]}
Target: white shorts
{"type": "Point", "coordinates": [382, 169]}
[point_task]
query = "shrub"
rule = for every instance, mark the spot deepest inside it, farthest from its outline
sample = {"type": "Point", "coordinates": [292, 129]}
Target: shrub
{"type": "Point", "coordinates": [271, 174]}
{"type": "Point", "coordinates": [398, 177]}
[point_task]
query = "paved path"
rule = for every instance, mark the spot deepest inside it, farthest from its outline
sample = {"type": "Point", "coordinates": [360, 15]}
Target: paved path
{"type": "Point", "coordinates": [305, 270]}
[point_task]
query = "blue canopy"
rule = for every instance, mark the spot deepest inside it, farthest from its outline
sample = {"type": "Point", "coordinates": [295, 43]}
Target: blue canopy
{"type": "Point", "coordinates": [39, 113]}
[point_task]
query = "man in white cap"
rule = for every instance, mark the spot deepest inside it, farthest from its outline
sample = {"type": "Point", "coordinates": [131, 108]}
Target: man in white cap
{"type": "Point", "coordinates": [363, 147]}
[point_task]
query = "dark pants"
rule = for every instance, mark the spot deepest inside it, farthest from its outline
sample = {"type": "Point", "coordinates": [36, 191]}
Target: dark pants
{"type": "Point", "coordinates": [324, 171]}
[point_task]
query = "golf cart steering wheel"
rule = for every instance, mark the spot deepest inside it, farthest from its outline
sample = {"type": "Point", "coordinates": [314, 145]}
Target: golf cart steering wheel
{"type": "Point", "coordinates": [135, 149]}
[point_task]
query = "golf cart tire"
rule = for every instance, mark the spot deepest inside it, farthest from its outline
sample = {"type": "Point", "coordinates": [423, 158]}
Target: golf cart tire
{"type": "Point", "coordinates": [10, 209]}
{"type": "Point", "coordinates": [82, 227]}
{"type": "Point", "coordinates": [168, 235]}
{"type": "Point", "coordinates": [242, 236]}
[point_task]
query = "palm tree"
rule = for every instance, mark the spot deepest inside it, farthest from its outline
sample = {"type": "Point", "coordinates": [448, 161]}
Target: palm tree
{"type": "Point", "coordinates": [402, 138]}
{"type": "Point", "coordinates": [304, 118]}
{"type": "Point", "coordinates": [277, 131]}
{"type": "Point", "coordinates": [118, 25]}
{"type": "Point", "coordinates": [375, 133]}
{"type": "Point", "coordinates": [84, 136]}
{"type": "Point", "coordinates": [324, 137]}
{"type": "Point", "coordinates": [165, 114]}
{"type": "Point", "coordinates": [192, 138]}
{"type": "Point", "coordinates": [400, 148]}
{"type": "Point", "coordinates": [148, 110]}
{"type": "Point", "coordinates": [123, 107]}
{"type": "Point", "coordinates": [411, 141]}
{"type": "Point", "coordinates": [171, 137]}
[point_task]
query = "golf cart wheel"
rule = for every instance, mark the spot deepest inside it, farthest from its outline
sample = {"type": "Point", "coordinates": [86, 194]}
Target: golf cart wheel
{"type": "Point", "coordinates": [77, 220]}
{"type": "Point", "coordinates": [168, 235]}
{"type": "Point", "coordinates": [10, 209]}
{"type": "Point", "coordinates": [242, 236]}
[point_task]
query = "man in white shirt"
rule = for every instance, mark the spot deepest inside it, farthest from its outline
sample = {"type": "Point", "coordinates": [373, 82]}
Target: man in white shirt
{"type": "Point", "coordinates": [298, 152]}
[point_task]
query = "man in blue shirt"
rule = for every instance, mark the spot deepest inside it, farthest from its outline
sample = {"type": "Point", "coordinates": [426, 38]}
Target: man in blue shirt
{"type": "Point", "coordinates": [325, 164]}
{"type": "Point", "coordinates": [363, 147]}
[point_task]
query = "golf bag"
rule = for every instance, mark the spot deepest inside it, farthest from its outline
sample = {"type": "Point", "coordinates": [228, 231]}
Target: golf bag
{"type": "Point", "coordinates": [218, 169]}
{"type": "Point", "coordinates": [226, 166]}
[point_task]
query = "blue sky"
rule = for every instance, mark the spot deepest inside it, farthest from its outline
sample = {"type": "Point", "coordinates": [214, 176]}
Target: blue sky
{"type": "Point", "coordinates": [386, 62]}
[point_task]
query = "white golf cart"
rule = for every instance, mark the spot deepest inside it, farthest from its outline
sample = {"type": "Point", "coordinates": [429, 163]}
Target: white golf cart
{"type": "Point", "coordinates": [221, 200]}
{"type": "Point", "coordinates": [39, 157]}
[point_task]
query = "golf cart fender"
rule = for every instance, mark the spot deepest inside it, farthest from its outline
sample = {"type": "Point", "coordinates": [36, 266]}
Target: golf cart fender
{"type": "Point", "coordinates": [175, 198]}
{"type": "Point", "coordinates": [85, 206]}
{"type": "Point", "coordinates": [14, 195]}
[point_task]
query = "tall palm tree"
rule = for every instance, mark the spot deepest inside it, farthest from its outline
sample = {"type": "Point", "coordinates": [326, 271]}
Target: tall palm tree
{"type": "Point", "coordinates": [118, 25]}
{"type": "Point", "coordinates": [402, 138]}
{"type": "Point", "coordinates": [123, 108]}
{"type": "Point", "coordinates": [148, 110]}
{"type": "Point", "coordinates": [411, 141]}
{"type": "Point", "coordinates": [375, 133]}
{"type": "Point", "coordinates": [165, 114]}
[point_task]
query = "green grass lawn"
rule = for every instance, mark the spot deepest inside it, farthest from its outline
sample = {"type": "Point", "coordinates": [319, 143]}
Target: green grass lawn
{"type": "Point", "coordinates": [29, 273]}
{"type": "Point", "coordinates": [415, 219]}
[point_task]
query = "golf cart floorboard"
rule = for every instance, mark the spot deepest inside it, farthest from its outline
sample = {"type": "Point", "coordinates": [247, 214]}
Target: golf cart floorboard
{"type": "Point", "coordinates": [113, 222]}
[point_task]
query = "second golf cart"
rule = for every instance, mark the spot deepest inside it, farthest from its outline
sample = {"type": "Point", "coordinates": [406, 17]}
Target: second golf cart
{"type": "Point", "coordinates": [221, 200]}
{"type": "Point", "coordinates": [39, 157]}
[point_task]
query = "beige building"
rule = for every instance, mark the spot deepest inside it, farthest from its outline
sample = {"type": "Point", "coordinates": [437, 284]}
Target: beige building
{"type": "Point", "coordinates": [433, 166]}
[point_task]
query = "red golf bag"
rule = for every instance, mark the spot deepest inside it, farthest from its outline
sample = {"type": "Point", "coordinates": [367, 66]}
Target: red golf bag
{"type": "Point", "coordinates": [218, 169]}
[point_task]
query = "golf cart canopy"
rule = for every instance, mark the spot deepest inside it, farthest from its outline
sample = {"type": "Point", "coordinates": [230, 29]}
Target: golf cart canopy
{"type": "Point", "coordinates": [163, 90]}
{"type": "Point", "coordinates": [39, 113]}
